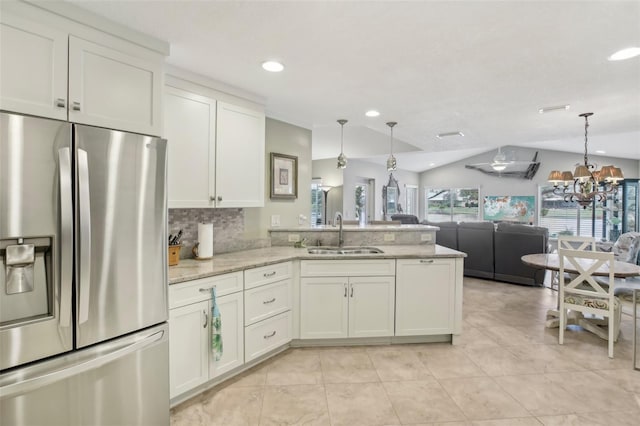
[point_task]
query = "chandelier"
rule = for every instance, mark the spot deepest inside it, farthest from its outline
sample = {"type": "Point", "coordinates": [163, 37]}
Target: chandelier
{"type": "Point", "coordinates": [392, 164]}
{"type": "Point", "coordinates": [342, 159]}
{"type": "Point", "coordinates": [586, 184]}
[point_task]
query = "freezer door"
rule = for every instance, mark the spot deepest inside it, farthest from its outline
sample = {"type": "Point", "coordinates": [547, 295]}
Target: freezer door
{"type": "Point", "coordinates": [36, 239]}
{"type": "Point", "coordinates": [121, 233]}
{"type": "Point", "coordinates": [121, 382]}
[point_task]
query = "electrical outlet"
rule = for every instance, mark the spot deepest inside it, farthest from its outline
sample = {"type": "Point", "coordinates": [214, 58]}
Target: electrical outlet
{"type": "Point", "coordinates": [389, 237]}
{"type": "Point", "coordinates": [294, 238]}
{"type": "Point", "coordinates": [275, 220]}
{"type": "Point", "coordinates": [301, 219]}
{"type": "Point", "coordinates": [425, 237]}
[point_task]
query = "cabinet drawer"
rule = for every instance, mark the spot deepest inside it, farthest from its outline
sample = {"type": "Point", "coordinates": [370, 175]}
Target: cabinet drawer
{"type": "Point", "coordinates": [347, 268]}
{"type": "Point", "coordinates": [267, 335]}
{"type": "Point", "coordinates": [266, 301]}
{"type": "Point", "coordinates": [197, 290]}
{"type": "Point", "coordinates": [266, 274]}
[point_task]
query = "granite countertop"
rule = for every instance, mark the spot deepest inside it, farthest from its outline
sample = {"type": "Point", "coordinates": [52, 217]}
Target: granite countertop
{"type": "Point", "coordinates": [191, 269]}
{"type": "Point", "coordinates": [357, 228]}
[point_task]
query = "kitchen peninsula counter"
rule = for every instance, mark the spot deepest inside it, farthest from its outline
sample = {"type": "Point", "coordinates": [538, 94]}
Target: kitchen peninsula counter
{"type": "Point", "coordinates": [191, 269]}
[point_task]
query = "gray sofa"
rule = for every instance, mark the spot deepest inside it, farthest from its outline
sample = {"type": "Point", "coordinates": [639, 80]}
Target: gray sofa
{"type": "Point", "coordinates": [476, 239]}
{"type": "Point", "coordinates": [494, 252]}
{"type": "Point", "coordinates": [512, 241]}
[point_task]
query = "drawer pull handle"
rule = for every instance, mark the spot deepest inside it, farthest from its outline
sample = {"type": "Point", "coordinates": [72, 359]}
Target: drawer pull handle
{"type": "Point", "coordinates": [267, 336]}
{"type": "Point", "coordinates": [269, 274]}
{"type": "Point", "coordinates": [76, 106]}
{"type": "Point", "coordinates": [426, 261]}
{"type": "Point", "coordinates": [61, 103]}
{"type": "Point", "coordinates": [206, 290]}
{"type": "Point", "coordinates": [351, 291]}
{"type": "Point", "coordinates": [345, 290]}
{"type": "Point", "coordinates": [206, 319]}
{"type": "Point", "coordinates": [266, 302]}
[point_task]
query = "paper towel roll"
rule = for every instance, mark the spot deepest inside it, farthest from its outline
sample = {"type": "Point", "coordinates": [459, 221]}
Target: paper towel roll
{"type": "Point", "coordinates": [205, 239]}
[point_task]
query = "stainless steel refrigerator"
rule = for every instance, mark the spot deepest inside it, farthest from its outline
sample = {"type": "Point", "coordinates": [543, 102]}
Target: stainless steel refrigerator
{"type": "Point", "coordinates": [83, 276]}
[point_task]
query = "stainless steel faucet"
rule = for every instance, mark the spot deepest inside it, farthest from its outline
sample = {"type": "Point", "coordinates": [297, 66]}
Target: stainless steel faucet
{"type": "Point", "coordinates": [338, 216]}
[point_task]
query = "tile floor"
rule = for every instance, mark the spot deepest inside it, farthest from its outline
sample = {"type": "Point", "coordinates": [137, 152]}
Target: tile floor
{"type": "Point", "coordinates": [507, 370]}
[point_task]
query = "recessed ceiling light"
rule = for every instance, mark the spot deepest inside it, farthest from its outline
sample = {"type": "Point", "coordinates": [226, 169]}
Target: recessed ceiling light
{"type": "Point", "coordinates": [447, 134]}
{"type": "Point", "coordinates": [599, 151]}
{"type": "Point", "coordinates": [372, 113]}
{"type": "Point", "coordinates": [272, 66]}
{"type": "Point", "coordinates": [628, 53]}
{"type": "Point", "coordinates": [554, 108]}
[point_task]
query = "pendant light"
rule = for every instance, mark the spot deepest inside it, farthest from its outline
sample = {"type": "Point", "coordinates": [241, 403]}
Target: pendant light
{"type": "Point", "coordinates": [392, 164]}
{"type": "Point", "coordinates": [342, 159]}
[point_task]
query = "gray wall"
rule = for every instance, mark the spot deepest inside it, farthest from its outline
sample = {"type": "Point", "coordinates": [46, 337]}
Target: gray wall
{"type": "Point", "coordinates": [283, 138]}
{"type": "Point", "coordinates": [342, 197]}
{"type": "Point", "coordinates": [455, 175]}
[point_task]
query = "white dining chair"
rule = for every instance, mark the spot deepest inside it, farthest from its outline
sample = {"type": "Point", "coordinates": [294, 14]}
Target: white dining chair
{"type": "Point", "coordinates": [576, 242]}
{"type": "Point", "coordinates": [584, 294]}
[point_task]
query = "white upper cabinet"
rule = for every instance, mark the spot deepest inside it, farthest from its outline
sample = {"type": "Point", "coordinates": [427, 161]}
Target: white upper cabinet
{"type": "Point", "coordinates": [33, 68]}
{"type": "Point", "coordinates": [189, 126]}
{"type": "Point", "coordinates": [216, 151]}
{"type": "Point", "coordinates": [108, 88]}
{"type": "Point", "coordinates": [240, 145]}
{"type": "Point", "coordinates": [48, 71]}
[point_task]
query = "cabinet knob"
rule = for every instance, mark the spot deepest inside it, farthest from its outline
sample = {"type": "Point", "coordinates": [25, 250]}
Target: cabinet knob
{"type": "Point", "coordinates": [75, 106]}
{"type": "Point", "coordinates": [61, 103]}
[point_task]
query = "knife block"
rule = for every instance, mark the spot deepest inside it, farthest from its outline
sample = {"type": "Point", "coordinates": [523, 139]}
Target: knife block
{"type": "Point", "coordinates": [174, 254]}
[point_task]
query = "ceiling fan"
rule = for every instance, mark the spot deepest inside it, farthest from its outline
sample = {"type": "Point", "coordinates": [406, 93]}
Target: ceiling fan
{"type": "Point", "coordinates": [500, 165]}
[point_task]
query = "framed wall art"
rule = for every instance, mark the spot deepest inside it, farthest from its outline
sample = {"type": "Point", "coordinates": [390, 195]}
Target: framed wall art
{"type": "Point", "coordinates": [284, 176]}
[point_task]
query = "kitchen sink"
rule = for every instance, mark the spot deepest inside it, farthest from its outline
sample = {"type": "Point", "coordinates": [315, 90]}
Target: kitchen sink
{"type": "Point", "coordinates": [344, 250]}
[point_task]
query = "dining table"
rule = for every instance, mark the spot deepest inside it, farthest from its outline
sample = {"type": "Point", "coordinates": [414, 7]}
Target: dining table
{"type": "Point", "coordinates": [627, 276]}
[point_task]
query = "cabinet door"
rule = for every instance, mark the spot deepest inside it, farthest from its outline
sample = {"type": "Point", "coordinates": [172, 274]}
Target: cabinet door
{"type": "Point", "coordinates": [240, 144]}
{"type": "Point", "coordinates": [324, 308]}
{"type": "Point", "coordinates": [188, 347]}
{"type": "Point", "coordinates": [189, 127]}
{"type": "Point", "coordinates": [33, 68]}
{"type": "Point", "coordinates": [371, 306]}
{"type": "Point", "coordinates": [425, 292]}
{"type": "Point", "coordinates": [231, 316]}
{"type": "Point", "coordinates": [108, 88]}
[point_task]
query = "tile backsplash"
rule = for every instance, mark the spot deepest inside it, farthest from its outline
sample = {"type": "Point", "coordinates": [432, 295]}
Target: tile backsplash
{"type": "Point", "coordinates": [228, 229]}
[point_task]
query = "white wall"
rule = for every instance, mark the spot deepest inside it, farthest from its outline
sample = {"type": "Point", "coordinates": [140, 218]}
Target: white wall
{"type": "Point", "coordinates": [283, 138]}
{"type": "Point", "coordinates": [358, 171]}
{"type": "Point", "coordinates": [455, 175]}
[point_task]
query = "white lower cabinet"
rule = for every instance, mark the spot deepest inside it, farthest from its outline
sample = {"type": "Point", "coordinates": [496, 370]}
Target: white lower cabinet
{"type": "Point", "coordinates": [265, 336]}
{"type": "Point", "coordinates": [232, 316]}
{"type": "Point", "coordinates": [191, 361]}
{"type": "Point", "coordinates": [345, 306]}
{"type": "Point", "coordinates": [425, 296]}
{"type": "Point", "coordinates": [188, 347]}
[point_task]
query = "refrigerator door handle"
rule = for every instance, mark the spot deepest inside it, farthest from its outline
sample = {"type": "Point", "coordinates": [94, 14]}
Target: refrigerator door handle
{"type": "Point", "coordinates": [66, 235]}
{"type": "Point", "coordinates": [110, 354]}
{"type": "Point", "coordinates": [85, 235]}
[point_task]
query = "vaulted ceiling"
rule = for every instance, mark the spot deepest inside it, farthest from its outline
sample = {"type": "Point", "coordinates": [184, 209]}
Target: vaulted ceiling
{"type": "Point", "coordinates": [480, 67]}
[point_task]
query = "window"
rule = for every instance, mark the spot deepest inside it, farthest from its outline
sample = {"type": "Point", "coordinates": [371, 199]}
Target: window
{"type": "Point", "coordinates": [317, 200]}
{"type": "Point", "coordinates": [569, 218]}
{"type": "Point", "coordinates": [451, 204]}
{"type": "Point", "coordinates": [361, 201]}
{"type": "Point", "coordinates": [411, 206]}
